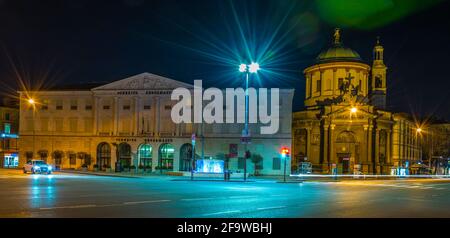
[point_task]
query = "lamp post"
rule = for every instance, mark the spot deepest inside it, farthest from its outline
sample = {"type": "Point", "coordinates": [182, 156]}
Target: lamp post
{"type": "Point", "coordinates": [193, 138]}
{"type": "Point", "coordinates": [247, 69]}
{"type": "Point", "coordinates": [32, 103]}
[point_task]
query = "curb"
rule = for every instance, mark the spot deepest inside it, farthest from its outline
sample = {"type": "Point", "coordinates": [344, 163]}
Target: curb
{"type": "Point", "coordinates": [213, 180]}
{"type": "Point", "coordinates": [100, 174]}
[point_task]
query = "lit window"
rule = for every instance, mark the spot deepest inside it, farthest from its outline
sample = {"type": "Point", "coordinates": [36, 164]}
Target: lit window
{"type": "Point", "coordinates": [7, 128]}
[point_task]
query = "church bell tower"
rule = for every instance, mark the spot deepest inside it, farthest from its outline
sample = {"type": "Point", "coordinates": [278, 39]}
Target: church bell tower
{"type": "Point", "coordinates": [378, 84]}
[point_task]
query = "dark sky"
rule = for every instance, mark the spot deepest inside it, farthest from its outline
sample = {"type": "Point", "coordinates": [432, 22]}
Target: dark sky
{"type": "Point", "coordinates": [70, 42]}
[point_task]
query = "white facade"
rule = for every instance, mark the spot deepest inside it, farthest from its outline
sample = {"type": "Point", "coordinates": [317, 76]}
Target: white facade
{"type": "Point", "coordinates": [68, 126]}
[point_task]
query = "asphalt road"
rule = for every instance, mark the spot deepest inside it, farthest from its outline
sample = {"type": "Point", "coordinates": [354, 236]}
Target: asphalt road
{"type": "Point", "coordinates": [66, 195]}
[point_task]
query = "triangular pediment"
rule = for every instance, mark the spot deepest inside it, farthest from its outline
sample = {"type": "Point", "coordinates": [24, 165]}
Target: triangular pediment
{"type": "Point", "coordinates": [144, 81]}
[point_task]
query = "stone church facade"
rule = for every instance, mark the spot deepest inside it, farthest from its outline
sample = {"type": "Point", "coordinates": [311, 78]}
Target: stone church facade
{"type": "Point", "coordinates": [346, 127]}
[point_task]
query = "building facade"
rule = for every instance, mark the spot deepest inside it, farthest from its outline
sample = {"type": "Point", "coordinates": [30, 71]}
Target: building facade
{"type": "Point", "coordinates": [436, 147]}
{"type": "Point", "coordinates": [128, 122]}
{"type": "Point", "coordinates": [346, 128]}
{"type": "Point", "coordinates": [9, 126]}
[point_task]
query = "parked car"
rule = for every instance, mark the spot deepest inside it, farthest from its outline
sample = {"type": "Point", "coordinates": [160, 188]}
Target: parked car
{"type": "Point", "coordinates": [37, 166]}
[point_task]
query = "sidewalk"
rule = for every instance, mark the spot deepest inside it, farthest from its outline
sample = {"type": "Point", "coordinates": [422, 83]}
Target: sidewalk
{"type": "Point", "coordinates": [114, 174]}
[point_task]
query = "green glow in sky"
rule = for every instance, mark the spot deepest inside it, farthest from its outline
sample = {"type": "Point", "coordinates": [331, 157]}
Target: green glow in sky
{"type": "Point", "coordinates": [368, 14]}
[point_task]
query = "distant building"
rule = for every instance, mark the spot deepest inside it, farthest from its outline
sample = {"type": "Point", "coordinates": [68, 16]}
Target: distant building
{"type": "Point", "coordinates": [436, 144]}
{"type": "Point", "coordinates": [346, 127]}
{"type": "Point", "coordinates": [9, 128]}
{"type": "Point", "coordinates": [128, 122]}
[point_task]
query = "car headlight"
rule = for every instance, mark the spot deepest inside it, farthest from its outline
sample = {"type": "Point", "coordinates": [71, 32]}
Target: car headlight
{"type": "Point", "coordinates": [49, 167]}
{"type": "Point", "coordinates": [37, 167]}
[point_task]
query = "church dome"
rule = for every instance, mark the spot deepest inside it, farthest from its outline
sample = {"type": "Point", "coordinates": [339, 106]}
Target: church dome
{"type": "Point", "coordinates": [337, 52]}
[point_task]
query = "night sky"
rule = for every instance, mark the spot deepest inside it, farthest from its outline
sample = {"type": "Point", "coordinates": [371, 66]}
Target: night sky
{"type": "Point", "coordinates": [48, 43]}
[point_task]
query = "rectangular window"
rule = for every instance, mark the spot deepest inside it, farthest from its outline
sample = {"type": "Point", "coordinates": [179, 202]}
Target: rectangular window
{"type": "Point", "coordinates": [44, 124]}
{"type": "Point", "coordinates": [88, 125]}
{"type": "Point", "coordinates": [44, 107]}
{"type": "Point", "coordinates": [168, 107]}
{"type": "Point", "coordinates": [318, 85]}
{"type": "Point", "coordinates": [29, 124]}
{"type": "Point", "coordinates": [7, 117]}
{"type": "Point", "coordinates": [88, 107]}
{"type": "Point", "coordinates": [241, 162]}
{"type": "Point", "coordinates": [7, 144]}
{"type": "Point", "coordinates": [7, 128]}
{"type": "Point", "coordinates": [73, 123]}
{"type": "Point", "coordinates": [126, 107]}
{"type": "Point", "coordinates": [59, 124]}
{"type": "Point", "coordinates": [59, 105]}
{"type": "Point", "coordinates": [106, 107]}
{"type": "Point", "coordinates": [147, 107]}
{"type": "Point", "coordinates": [73, 104]}
{"type": "Point", "coordinates": [276, 164]}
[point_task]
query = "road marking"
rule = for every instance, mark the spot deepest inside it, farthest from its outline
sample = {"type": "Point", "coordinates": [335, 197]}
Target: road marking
{"type": "Point", "coordinates": [68, 207]}
{"type": "Point", "coordinates": [279, 195]}
{"type": "Point", "coordinates": [269, 208]}
{"type": "Point", "coordinates": [243, 197]}
{"type": "Point", "coordinates": [143, 202]}
{"type": "Point", "coordinates": [196, 199]}
{"type": "Point", "coordinates": [225, 212]}
{"type": "Point", "coordinates": [412, 199]}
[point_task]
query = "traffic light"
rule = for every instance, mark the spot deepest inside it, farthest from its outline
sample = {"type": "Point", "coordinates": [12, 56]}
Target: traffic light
{"type": "Point", "coordinates": [285, 152]}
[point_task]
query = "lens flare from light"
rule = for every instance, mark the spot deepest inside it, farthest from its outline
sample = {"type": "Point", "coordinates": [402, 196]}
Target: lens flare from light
{"type": "Point", "coordinates": [242, 68]}
{"type": "Point", "coordinates": [253, 68]}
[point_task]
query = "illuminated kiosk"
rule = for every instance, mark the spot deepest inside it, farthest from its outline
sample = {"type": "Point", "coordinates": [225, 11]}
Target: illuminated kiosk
{"type": "Point", "coordinates": [212, 168]}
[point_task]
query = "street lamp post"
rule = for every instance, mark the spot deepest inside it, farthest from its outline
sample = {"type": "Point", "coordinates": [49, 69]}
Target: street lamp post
{"type": "Point", "coordinates": [33, 104]}
{"type": "Point", "coordinates": [193, 155]}
{"type": "Point", "coordinates": [247, 69]}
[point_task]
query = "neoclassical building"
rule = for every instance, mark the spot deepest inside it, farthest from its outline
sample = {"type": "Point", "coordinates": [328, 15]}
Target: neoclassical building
{"type": "Point", "coordinates": [345, 124]}
{"type": "Point", "coordinates": [129, 122]}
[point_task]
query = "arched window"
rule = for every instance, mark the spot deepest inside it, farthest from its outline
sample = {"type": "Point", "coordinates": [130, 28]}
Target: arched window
{"type": "Point", "coordinates": [104, 155]}
{"type": "Point", "coordinates": [145, 155]}
{"type": "Point", "coordinates": [166, 154]}
{"type": "Point", "coordinates": [124, 154]}
{"type": "Point", "coordinates": [186, 157]}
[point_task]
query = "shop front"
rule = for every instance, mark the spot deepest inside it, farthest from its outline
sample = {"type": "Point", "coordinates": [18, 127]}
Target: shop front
{"type": "Point", "coordinates": [10, 160]}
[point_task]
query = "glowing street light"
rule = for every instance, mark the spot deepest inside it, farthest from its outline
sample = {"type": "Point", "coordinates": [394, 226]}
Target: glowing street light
{"type": "Point", "coordinates": [242, 68]}
{"type": "Point", "coordinates": [253, 67]}
{"type": "Point", "coordinates": [33, 103]}
{"type": "Point", "coordinates": [353, 110]}
{"type": "Point", "coordinates": [419, 130]}
{"type": "Point", "coordinates": [247, 69]}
